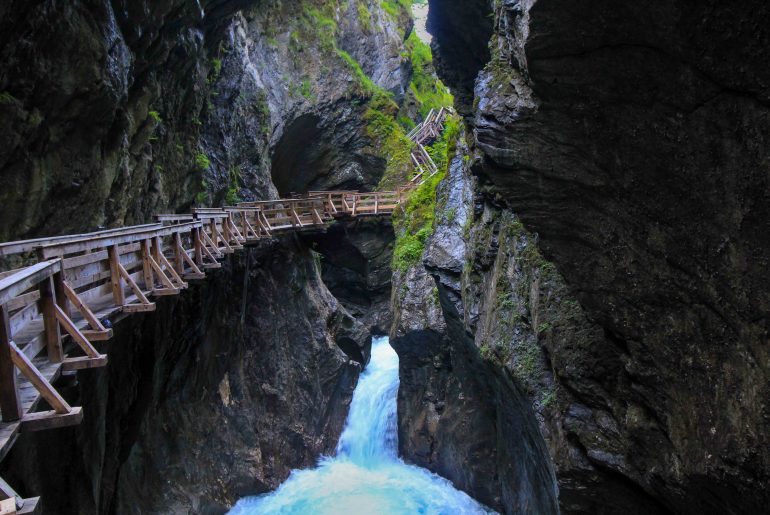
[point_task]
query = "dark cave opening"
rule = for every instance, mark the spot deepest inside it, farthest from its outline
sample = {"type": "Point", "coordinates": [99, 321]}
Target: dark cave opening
{"type": "Point", "coordinates": [300, 155]}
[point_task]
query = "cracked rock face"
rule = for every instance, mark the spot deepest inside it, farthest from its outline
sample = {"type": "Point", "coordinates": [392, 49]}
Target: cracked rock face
{"type": "Point", "coordinates": [218, 394]}
{"type": "Point", "coordinates": [632, 138]}
{"type": "Point", "coordinates": [461, 416]}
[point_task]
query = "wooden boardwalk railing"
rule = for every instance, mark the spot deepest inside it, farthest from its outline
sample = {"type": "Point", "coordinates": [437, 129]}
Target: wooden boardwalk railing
{"type": "Point", "coordinates": [53, 311]}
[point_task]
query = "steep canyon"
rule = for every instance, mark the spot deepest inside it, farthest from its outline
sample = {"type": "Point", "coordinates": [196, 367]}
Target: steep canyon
{"type": "Point", "coordinates": [613, 249]}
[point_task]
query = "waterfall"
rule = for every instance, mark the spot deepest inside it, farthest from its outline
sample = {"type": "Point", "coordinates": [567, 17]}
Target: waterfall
{"type": "Point", "coordinates": [366, 475]}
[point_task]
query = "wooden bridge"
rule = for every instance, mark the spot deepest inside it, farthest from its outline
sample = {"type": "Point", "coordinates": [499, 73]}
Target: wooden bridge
{"type": "Point", "coordinates": [52, 311]}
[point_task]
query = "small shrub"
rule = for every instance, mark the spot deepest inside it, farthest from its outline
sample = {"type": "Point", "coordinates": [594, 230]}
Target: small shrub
{"type": "Point", "coordinates": [202, 161]}
{"type": "Point", "coordinates": [155, 115]}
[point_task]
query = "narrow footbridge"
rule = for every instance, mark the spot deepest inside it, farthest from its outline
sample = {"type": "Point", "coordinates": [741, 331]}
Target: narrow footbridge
{"type": "Point", "coordinates": [54, 310]}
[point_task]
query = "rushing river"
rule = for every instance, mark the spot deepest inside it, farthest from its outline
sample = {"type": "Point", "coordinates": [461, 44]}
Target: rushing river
{"type": "Point", "coordinates": [366, 476]}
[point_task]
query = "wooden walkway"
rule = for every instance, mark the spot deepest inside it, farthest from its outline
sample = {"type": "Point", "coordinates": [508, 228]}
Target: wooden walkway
{"type": "Point", "coordinates": [53, 311]}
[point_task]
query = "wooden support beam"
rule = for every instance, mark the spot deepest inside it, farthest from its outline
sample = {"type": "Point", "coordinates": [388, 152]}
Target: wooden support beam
{"type": "Point", "coordinates": [178, 251]}
{"type": "Point", "coordinates": [175, 278]}
{"type": "Point", "coordinates": [31, 505]}
{"type": "Point", "coordinates": [195, 272]}
{"type": "Point", "coordinates": [51, 419]}
{"type": "Point", "coordinates": [83, 362]}
{"type": "Point", "coordinates": [10, 404]}
{"type": "Point", "coordinates": [163, 278]}
{"type": "Point", "coordinates": [48, 306]}
{"type": "Point", "coordinates": [149, 279]}
{"type": "Point", "coordinates": [211, 246]}
{"type": "Point", "coordinates": [295, 218]}
{"type": "Point", "coordinates": [40, 383]}
{"type": "Point", "coordinates": [134, 287]}
{"type": "Point", "coordinates": [214, 232]}
{"type": "Point", "coordinates": [98, 332]}
{"type": "Point", "coordinates": [118, 295]}
{"type": "Point", "coordinates": [197, 245]}
{"type": "Point", "coordinates": [75, 333]}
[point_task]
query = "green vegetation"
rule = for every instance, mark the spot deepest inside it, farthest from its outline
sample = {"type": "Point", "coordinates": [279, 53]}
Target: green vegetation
{"type": "Point", "coordinates": [303, 89]}
{"type": "Point", "coordinates": [549, 398]}
{"type": "Point", "coordinates": [397, 8]}
{"type": "Point", "coordinates": [155, 115]}
{"type": "Point", "coordinates": [216, 69]}
{"type": "Point", "coordinates": [202, 161]}
{"type": "Point", "coordinates": [364, 15]}
{"type": "Point", "coordinates": [7, 98]}
{"type": "Point", "coordinates": [202, 196]}
{"type": "Point", "coordinates": [368, 86]}
{"type": "Point", "coordinates": [429, 91]}
{"type": "Point", "coordinates": [232, 196]}
{"type": "Point", "coordinates": [321, 23]}
{"type": "Point", "coordinates": [414, 222]}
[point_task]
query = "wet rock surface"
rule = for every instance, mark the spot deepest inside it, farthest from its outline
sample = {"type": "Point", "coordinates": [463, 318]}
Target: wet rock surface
{"type": "Point", "coordinates": [218, 394]}
{"type": "Point", "coordinates": [460, 415]}
{"type": "Point", "coordinates": [628, 138]}
{"type": "Point", "coordinates": [114, 111]}
{"type": "Point", "coordinates": [355, 260]}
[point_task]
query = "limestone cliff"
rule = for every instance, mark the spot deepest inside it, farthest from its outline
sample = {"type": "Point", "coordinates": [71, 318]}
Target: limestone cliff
{"type": "Point", "coordinates": [616, 261]}
{"type": "Point", "coordinates": [116, 110]}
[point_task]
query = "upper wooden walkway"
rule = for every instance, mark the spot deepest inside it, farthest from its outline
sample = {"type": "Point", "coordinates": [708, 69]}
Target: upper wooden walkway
{"type": "Point", "coordinates": [53, 311]}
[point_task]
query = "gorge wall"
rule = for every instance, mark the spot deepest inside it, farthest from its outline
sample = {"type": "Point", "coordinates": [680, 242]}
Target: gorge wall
{"type": "Point", "coordinates": [611, 252]}
{"type": "Point", "coordinates": [216, 395]}
{"type": "Point", "coordinates": [114, 111]}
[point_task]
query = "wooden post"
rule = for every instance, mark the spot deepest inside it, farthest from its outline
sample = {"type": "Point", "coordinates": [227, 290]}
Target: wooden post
{"type": "Point", "coordinates": [61, 295]}
{"type": "Point", "coordinates": [9, 390]}
{"type": "Point", "coordinates": [197, 245]}
{"type": "Point", "coordinates": [213, 227]}
{"type": "Point", "coordinates": [178, 249]}
{"type": "Point", "coordinates": [228, 237]}
{"type": "Point", "coordinates": [118, 295]}
{"type": "Point", "coordinates": [48, 306]}
{"type": "Point", "coordinates": [149, 280]}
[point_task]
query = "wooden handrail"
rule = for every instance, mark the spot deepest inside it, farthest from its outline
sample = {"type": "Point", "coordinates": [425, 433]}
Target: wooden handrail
{"type": "Point", "coordinates": [25, 279]}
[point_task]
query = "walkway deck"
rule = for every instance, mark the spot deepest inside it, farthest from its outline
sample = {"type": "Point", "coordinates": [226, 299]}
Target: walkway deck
{"type": "Point", "coordinates": [53, 311]}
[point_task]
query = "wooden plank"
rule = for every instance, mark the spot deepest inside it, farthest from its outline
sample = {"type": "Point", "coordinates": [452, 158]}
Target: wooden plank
{"type": "Point", "coordinates": [31, 506]}
{"type": "Point", "coordinates": [10, 404]}
{"type": "Point", "coordinates": [22, 317]}
{"type": "Point", "coordinates": [51, 419]}
{"type": "Point", "coordinates": [174, 218]}
{"type": "Point", "coordinates": [40, 383]}
{"type": "Point", "coordinates": [138, 308]}
{"type": "Point", "coordinates": [8, 506]}
{"type": "Point", "coordinates": [23, 300]}
{"type": "Point", "coordinates": [85, 259]}
{"type": "Point", "coordinates": [84, 362]}
{"type": "Point", "coordinates": [129, 236]}
{"type": "Point", "coordinates": [24, 246]}
{"type": "Point", "coordinates": [27, 278]}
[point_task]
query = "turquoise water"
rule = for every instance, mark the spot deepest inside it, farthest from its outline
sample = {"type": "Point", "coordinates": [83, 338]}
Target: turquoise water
{"type": "Point", "coordinates": [366, 476]}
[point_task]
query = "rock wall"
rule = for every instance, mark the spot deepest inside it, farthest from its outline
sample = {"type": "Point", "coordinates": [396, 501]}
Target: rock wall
{"type": "Point", "coordinates": [356, 267]}
{"type": "Point", "coordinates": [216, 395]}
{"type": "Point", "coordinates": [114, 111]}
{"type": "Point", "coordinates": [461, 415]}
{"type": "Point", "coordinates": [624, 143]}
